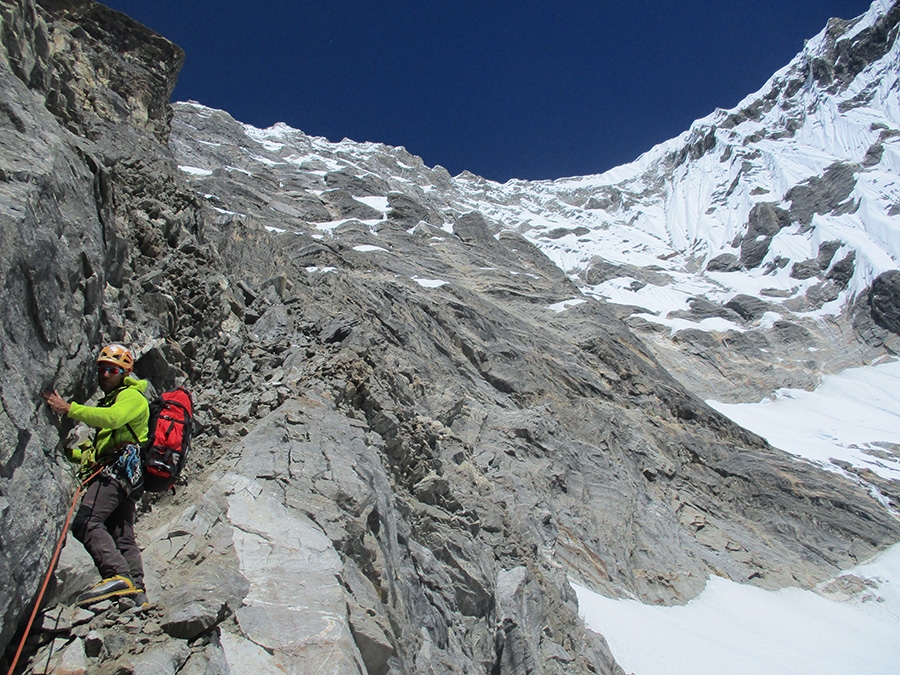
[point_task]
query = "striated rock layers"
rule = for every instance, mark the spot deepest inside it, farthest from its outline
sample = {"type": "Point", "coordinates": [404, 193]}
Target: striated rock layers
{"type": "Point", "coordinates": [403, 450]}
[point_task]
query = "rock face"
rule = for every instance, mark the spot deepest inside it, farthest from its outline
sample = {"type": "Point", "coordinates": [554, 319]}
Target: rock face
{"type": "Point", "coordinates": [885, 301]}
{"type": "Point", "coordinates": [764, 222]}
{"type": "Point", "coordinates": [404, 450]}
{"type": "Point", "coordinates": [76, 116]}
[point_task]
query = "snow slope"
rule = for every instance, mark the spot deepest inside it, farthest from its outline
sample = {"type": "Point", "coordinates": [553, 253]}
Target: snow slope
{"type": "Point", "coordinates": [743, 630]}
{"type": "Point", "coordinates": [853, 416]}
{"type": "Point", "coordinates": [851, 628]}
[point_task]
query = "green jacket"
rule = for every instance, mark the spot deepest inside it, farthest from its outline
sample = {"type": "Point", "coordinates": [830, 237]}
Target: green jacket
{"type": "Point", "coordinates": [117, 411]}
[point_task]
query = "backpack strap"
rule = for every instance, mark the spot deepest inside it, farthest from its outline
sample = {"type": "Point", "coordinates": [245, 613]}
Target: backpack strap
{"type": "Point", "coordinates": [136, 439]}
{"type": "Point", "coordinates": [111, 397]}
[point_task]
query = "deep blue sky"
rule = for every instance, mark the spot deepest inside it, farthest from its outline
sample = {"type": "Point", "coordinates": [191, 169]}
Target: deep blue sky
{"type": "Point", "coordinates": [529, 89]}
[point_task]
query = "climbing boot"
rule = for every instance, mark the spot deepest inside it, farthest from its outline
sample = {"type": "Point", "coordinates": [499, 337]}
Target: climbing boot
{"type": "Point", "coordinates": [108, 588]}
{"type": "Point", "coordinates": [141, 603]}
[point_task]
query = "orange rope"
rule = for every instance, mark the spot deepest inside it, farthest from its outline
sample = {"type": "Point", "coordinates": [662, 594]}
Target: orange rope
{"type": "Point", "coordinates": [53, 561]}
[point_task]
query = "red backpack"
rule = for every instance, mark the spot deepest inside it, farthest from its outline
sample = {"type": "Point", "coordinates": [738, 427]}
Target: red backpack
{"type": "Point", "coordinates": [168, 440]}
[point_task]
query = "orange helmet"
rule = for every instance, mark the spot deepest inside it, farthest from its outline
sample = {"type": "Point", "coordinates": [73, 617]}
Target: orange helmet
{"type": "Point", "coordinates": [116, 355]}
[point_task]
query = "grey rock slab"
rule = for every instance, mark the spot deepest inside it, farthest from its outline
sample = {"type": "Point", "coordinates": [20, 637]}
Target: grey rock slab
{"type": "Point", "coordinates": [165, 660]}
{"type": "Point", "coordinates": [726, 262]}
{"type": "Point", "coordinates": [348, 207]}
{"type": "Point", "coordinates": [245, 656]}
{"type": "Point", "coordinates": [294, 605]}
{"type": "Point", "coordinates": [75, 572]}
{"type": "Point", "coordinates": [805, 269]}
{"type": "Point", "coordinates": [189, 620]}
{"type": "Point", "coordinates": [375, 647]}
{"type": "Point", "coordinates": [191, 566]}
{"type": "Point", "coordinates": [93, 643]}
{"type": "Point", "coordinates": [208, 661]}
{"type": "Point", "coordinates": [520, 612]}
{"type": "Point", "coordinates": [764, 222]}
{"type": "Point", "coordinates": [749, 307]}
{"type": "Point", "coordinates": [821, 194]}
{"type": "Point", "coordinates": [827, 249]}
{"type": "Point", "coordinates": [884, 299]}
{"type": "Point", "coordinates": [69, 659]}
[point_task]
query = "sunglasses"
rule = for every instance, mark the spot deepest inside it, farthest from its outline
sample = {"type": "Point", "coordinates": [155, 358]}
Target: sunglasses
{"type": "Point", "coordinates": [110, 370]}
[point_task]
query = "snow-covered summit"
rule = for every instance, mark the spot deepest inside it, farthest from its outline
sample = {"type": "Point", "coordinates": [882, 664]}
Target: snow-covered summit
{"type": "Point", "coordinates": [818, 141]}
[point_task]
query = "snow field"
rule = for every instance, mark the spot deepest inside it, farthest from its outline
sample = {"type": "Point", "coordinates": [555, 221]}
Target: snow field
{"type": "Point", "coordinates": [743, 630]}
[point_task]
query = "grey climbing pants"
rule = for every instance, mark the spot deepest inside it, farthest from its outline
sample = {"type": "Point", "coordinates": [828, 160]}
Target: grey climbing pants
{"type": "Point", "coordinates": [105, 525]}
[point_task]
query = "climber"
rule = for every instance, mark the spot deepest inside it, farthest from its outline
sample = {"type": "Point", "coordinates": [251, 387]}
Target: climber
{"type": "Point", "coordinates": [104, 523]}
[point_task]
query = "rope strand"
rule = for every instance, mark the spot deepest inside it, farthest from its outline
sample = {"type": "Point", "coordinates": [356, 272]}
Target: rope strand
{"type": "Point", "coordinates": [53, 561]}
